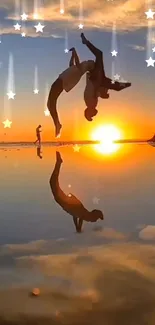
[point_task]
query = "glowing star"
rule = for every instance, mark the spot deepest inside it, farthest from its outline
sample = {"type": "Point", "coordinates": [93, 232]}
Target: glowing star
{"type": "Point", "coordinates": [62, 11]}
{"type": "Point", "coordinates": [46, 112]}
{"type": "Point", "coordinates": [117, 77]}
{"type": "Point", "coordinates": [23, 34]}
{"type": "Point", "coordinates": [7, 124]}
{"type": "Point", "coordinates": [150, 62]}
{"type": "Point", "coordinates": [17, 26]}
{"type": "Point", "coordinates": [114, 53]}
{"type": "Point", "coordinates": [76, 148]}
{"type": "Point", "coordinates": [24, 16]}
{"type": "Point", "coordinates": [39, 28]}
{"type": "Point", "coordinates": [149, 14]}
{"type": "Point", "coordinates": [113, 81]}
{"type": "Point", "coordinates": [36, 91]}
{"type": "Point", "coordinates": [153, 49]}
{"type": "Point", "coordinates": [66, 50]}
{"type": "Point", "coordinates": [81, 26]}
{"type": "Point", "coordinates": [96, 200]}
{"type": "Point", "coordinates": [11, 95]}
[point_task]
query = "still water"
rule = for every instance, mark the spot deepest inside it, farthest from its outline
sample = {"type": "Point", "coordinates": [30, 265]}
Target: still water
{"type": "Point", "coordinates": [110, 259]}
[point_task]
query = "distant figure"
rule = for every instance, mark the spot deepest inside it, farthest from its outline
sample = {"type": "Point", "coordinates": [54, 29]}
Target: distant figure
{"type": "Point", "coordinates": [39, 152]}
{"type": "Point", "coordinates": [38, 131]}
{"type": "Point", "coordinates": [69, 202]}
{"type": "Point", "coordinates": [67, 80]}
{"type": "Point", "coordinates": [97, 84]}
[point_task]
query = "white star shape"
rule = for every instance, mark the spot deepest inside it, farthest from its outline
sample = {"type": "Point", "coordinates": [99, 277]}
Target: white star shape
{"type": "Point", "coordinates": [39, 28]}
{"type": "Point", "coordinates": [96, 200]}
{"type": "Point", "coordinates": [117, 76]}
{"type": "Point", "coordinates": [150, 62]}
{"type": "Point", "coordinates": [36, 91]}
{"type": "Point", "coordinates": [23, 34]}
{"type": "Point", "coordinates": [114, 53]}
{"type": "Point", "coordinates": [7, 124]}
{"type": "Point", "coordinates": [76, 148]}
{"type": "Point", "coordinates": [62, 11]}
{"type": "Point", "coordinates": [149, 14]}
{"type": "Point", "coordinates": [24, 16]}
{"type": "Point", "coordinates": [153, 49]}
{"type": "Point", "coordinates": [66, 50]}
{"type": "Point", "coordinates": [80, 26]}
{"type": "Point", "coordinates": [11, 95]}
{"type": "Point", "coordinates": [17, 26]}
{"type": "Point", "coordinates": [46, 112]}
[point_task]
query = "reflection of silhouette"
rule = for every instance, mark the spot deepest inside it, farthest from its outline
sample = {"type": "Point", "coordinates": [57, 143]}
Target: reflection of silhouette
{"type": "Point", "coordinates": [39, 152]}
{"type": "Point", "coordinates": [38, 131]}
{"type": "Point", "coordinates": [70, 203]}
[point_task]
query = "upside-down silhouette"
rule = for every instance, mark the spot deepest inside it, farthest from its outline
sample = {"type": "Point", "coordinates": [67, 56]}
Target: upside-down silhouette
{"type": "Point", "coordinates": [67, 80]}
{"type": "Point", "coordinates": [70, 203]}
{"type": "Point", "coordinates": [97, 84]}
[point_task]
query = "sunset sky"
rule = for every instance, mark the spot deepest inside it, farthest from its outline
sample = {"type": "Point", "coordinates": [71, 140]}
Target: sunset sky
{"type": "Point", "coordinates": [132, 110]}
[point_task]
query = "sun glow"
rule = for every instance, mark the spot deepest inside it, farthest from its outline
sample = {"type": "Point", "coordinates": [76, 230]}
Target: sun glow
{"type": "Point", "coordinates": [107, 134]}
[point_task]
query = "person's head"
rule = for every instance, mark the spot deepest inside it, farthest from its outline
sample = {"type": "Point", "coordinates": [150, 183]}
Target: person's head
{"type": "Point", "coordinates": [96, 214]}
{"type": "Point", "coordinates": [39, 126]}
{"type": "Point", "coordinates": [89, 113]}
{"type": "Point", "coordinates": [103, 92]}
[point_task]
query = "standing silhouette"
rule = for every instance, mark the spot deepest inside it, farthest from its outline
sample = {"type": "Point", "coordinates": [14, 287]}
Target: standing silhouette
{"type": "Point", "coordinates": [67, 80]}
{"type": "Point", "coordinates": [70, 203]}
{"type": "Point", "coordinates": [97, 84]}
{"type": "Point", "coordinates": [38, 131]}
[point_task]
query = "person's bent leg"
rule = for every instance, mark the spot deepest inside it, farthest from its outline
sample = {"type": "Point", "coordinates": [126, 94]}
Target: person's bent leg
{"type": "Point", "coordinates": [74, 58]}
{"type": "Point", "coordinates": [99, 64]}
{"type": "Point", "coordinates": [71, 62]}
{"type": "Point", "coordinates": [55, 92]}
{"type": "Point", "coordinates": [90, 46]}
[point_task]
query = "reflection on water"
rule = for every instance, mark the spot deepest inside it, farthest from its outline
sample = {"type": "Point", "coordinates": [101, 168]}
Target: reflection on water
{"type": "Point", "coordinates": [105, 274]}
{"type": "Point", "coordinates": [70, 203]}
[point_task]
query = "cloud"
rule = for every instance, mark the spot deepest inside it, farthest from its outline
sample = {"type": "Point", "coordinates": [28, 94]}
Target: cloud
{"type": "Point", "coordinates": [137, 47]}
{"type": "Point", "coordinates": [128, 14]}
{"type": "Point", "coordinates": [112, 283]}
{"type": "Point", "coordinates": [148, 233]}
{"type": "Point", "coordinates": [110, 233]}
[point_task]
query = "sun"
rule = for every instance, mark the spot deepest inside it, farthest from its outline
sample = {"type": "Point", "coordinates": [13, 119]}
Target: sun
{"type": "Point", "coordinates": [107, 134]}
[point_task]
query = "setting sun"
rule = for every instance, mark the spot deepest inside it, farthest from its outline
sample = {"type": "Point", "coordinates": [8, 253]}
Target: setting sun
{"type": "Point", "coordinates": [107, 134]}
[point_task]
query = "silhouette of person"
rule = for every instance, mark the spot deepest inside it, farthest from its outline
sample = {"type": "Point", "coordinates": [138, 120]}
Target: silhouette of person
{"type": "Point", "coordinates": [97, 84]}
{"type": "Point", "coordinates": [39, 152]}
{"type": "Point", "coordinates": [38, 131]}
{"type": "Point", "coordinates": [70, 203]}
{"type": "Point", "coordinates": [67, 80]}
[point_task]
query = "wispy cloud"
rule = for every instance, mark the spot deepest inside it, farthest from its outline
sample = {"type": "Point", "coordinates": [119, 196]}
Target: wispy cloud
{"type": "Point", "coordinates": [128, 14]}
{"type": "Point", "coordinates": [137, 47]}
